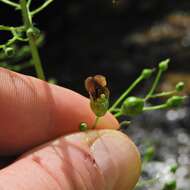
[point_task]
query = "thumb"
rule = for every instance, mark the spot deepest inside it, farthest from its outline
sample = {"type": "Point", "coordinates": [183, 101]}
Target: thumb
{"type": "Point", "coordinates": [103, 160]}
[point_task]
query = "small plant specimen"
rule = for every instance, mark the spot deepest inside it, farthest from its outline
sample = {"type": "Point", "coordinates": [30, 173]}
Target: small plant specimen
{"type": "Point", "coordinates": [131, 105]}
{"type": "Point", "coordinates": [27, 33]}
{"type": "Point", "coordinates": [96, 85]}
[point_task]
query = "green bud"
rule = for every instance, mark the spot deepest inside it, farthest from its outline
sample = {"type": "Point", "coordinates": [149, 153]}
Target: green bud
{"type": "Point", "coordinates": [163, 65]}
{"type": "Point", "coordinates": [83, 127]}
{"type": "Point", "coordinates": [35, 32]}
{"type": "Point", "coordinates": [146, 73]}
{"type": "Point", "coordinates": [171, 185]}
{"type": "Point", "coordinates": [100, 105]}
{"type": "Point", "coordinates": [179, 86]}
{"type": "Point", "coordinates": [174, 101]}
{"type": "Point", "coordinates": [173, 168]}
{"type": "Point", "coordinates": [132, 106]}
{"type": "Point", "coordinates": [9, 51]}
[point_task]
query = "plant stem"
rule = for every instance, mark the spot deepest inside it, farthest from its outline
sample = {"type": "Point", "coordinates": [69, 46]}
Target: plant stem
{"type": "Point", "coordinates": [6, 28]}
{"type": "Point", "coordinates": [28, 25]}
{"type": "Point", "coordinates": [139, 79]}
{"type": "Point", "coordinates": [154, 85]}
{"type": "Point", "coordinates": [118, 114]}
{"type": "Point", "coordinates": [44, 5]}
{"type": "Point", "coordinates": [163, 94]}
{"type": "Point", "coordinates": [95, 123]}
{"type": "Point", "coordinates": [158, 107]}
{"type": "Point", "coordinates": [124, 123]}
{"type": "Point", "coordinates": [28, 3]}
{"type": "Point", "coordinates": [116, 110]}
{"type": "Point", "coordinates": [16, 5]}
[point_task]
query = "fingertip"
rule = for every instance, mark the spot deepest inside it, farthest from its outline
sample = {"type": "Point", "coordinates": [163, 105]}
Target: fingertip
{"type": "Point", "coordinates": [118, 158]}
{"type": "Point", "coordinates": [108, 122]}
{"type": "Point", "coordinates": [115, 154]}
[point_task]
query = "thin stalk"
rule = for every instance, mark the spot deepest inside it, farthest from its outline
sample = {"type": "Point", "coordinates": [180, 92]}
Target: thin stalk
{"type": "Point", "coordinates": [163, 94]}
{"type": "Point", "coordinates": [6, 28]}
{"type": "Point", "coordinates": [139, 79]}
{"type": "Point", "coordinates": [29, 3]}
{"type": "Point", "coordinates": [13, 4]}
{"type": "Point", "coordinates": [44, 5]}
{"type": "Point", "coordinates": [158, 107]}
{"type": "Point", "coordinates": [154, 85]}
{"type": "Point", "coordinates": [116, 110]}
{"type": "Point", "coordinates": [124, 123]}
{"type": "Point", "coordinates": [35, 54]}
{"type": "Point", "coordinates": [118, 114]}
{"type": "Point", "coordinates": [96, 122]}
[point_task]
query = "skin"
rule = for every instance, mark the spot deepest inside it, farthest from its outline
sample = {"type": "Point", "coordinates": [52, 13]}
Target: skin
{"type": "Point", "coordinates": [40, 122]}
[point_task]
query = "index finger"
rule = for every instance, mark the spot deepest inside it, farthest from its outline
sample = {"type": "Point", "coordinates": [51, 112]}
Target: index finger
{"type": "Point", "coordinates": [33, 112]}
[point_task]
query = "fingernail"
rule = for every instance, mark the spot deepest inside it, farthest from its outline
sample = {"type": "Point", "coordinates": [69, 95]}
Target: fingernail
{"type": "Point", "coordinates": [118, 159]}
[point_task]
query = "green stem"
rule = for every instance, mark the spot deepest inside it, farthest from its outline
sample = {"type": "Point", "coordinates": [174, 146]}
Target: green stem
{"type": "Point", "coordinates": [35, 54]}
{"type": "Point", "coordinates": [10, 42]}
{"type": "Point", "coordinates": [154, 85]}
{"type": "Point", "coordinates": [118, 114]}
{"type": "Point", "coordinates": [16, 5]}
{"type": "Point", "coordinates": [29, 3]}
{"type": "Point", "coordinates": [124, 123]}
{"type": "Point", "coordinates": [163, 94]}
{"type": "Point", "coordinates": [95, 123]}
{"type": "Point", "coordinates": [158, 107]}
{"type": "Point", "coordinates": [44, 5]}
{"type": "Point", "coordinates": [6, 28]}
{"type": "Point", "coordinates": [138, 80]}
{"type": "Point", "coordinates": [115, 110]}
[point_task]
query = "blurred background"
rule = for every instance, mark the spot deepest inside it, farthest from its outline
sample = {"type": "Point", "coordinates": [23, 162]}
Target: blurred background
{"type": "Point", "coordinates": [118, 40]}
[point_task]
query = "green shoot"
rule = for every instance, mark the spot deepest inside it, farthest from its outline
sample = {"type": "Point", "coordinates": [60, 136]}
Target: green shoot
{"type": "Point", "coordinates": [28, 29]}
{"type": "Point", "coordinates": [162, 67]}
{"type": "Point", "coordinates": [122, 97]}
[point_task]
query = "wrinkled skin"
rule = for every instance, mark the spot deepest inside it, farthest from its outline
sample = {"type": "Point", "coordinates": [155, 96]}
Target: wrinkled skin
{"type": "Point", "coordinates": [40, 123]}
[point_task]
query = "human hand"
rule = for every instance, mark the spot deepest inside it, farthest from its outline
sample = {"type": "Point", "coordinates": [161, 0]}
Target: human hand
{"type": "Point", "coordinates": [34, 112]}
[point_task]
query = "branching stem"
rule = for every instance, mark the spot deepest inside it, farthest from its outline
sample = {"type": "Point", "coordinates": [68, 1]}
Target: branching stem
{"type": "Point", "coordinates": [44, 5]}
{"type": "Point", "coordinates": [28, 25]}
{"type": "Point", "coordinates": [154, 85]}
{"type": "Point", "coordinates": [13, 4]}
{"type": "Point", "coordinates": [138, 80]}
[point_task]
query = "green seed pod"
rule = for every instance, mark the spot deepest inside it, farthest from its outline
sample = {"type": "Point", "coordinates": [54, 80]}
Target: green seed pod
{"type": "Point", "coordinates": [132, 106]}
{"type": "Point", "coordinates": [163, 65]}
{"type": "Point", "coordinates": [146, 73]}
{"type": "Point", "coordinates": [171, 185]}
{"type": "Point", "coordinates": [9, 51]}
{"type": "Point", "coordinates": [83, 127]}
{"type": "Point", "coordinates": [100, 105]}
{"type": "Point", "coordinates": [179, 86]}
{"type": "Point", "coordinates": [174, 101]}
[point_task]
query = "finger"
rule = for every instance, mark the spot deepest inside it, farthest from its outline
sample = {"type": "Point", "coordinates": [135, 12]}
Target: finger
{"type": "Point", "coordinates": [33, 111]}
{"type": "Point", "coordinates": [103, 160]}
